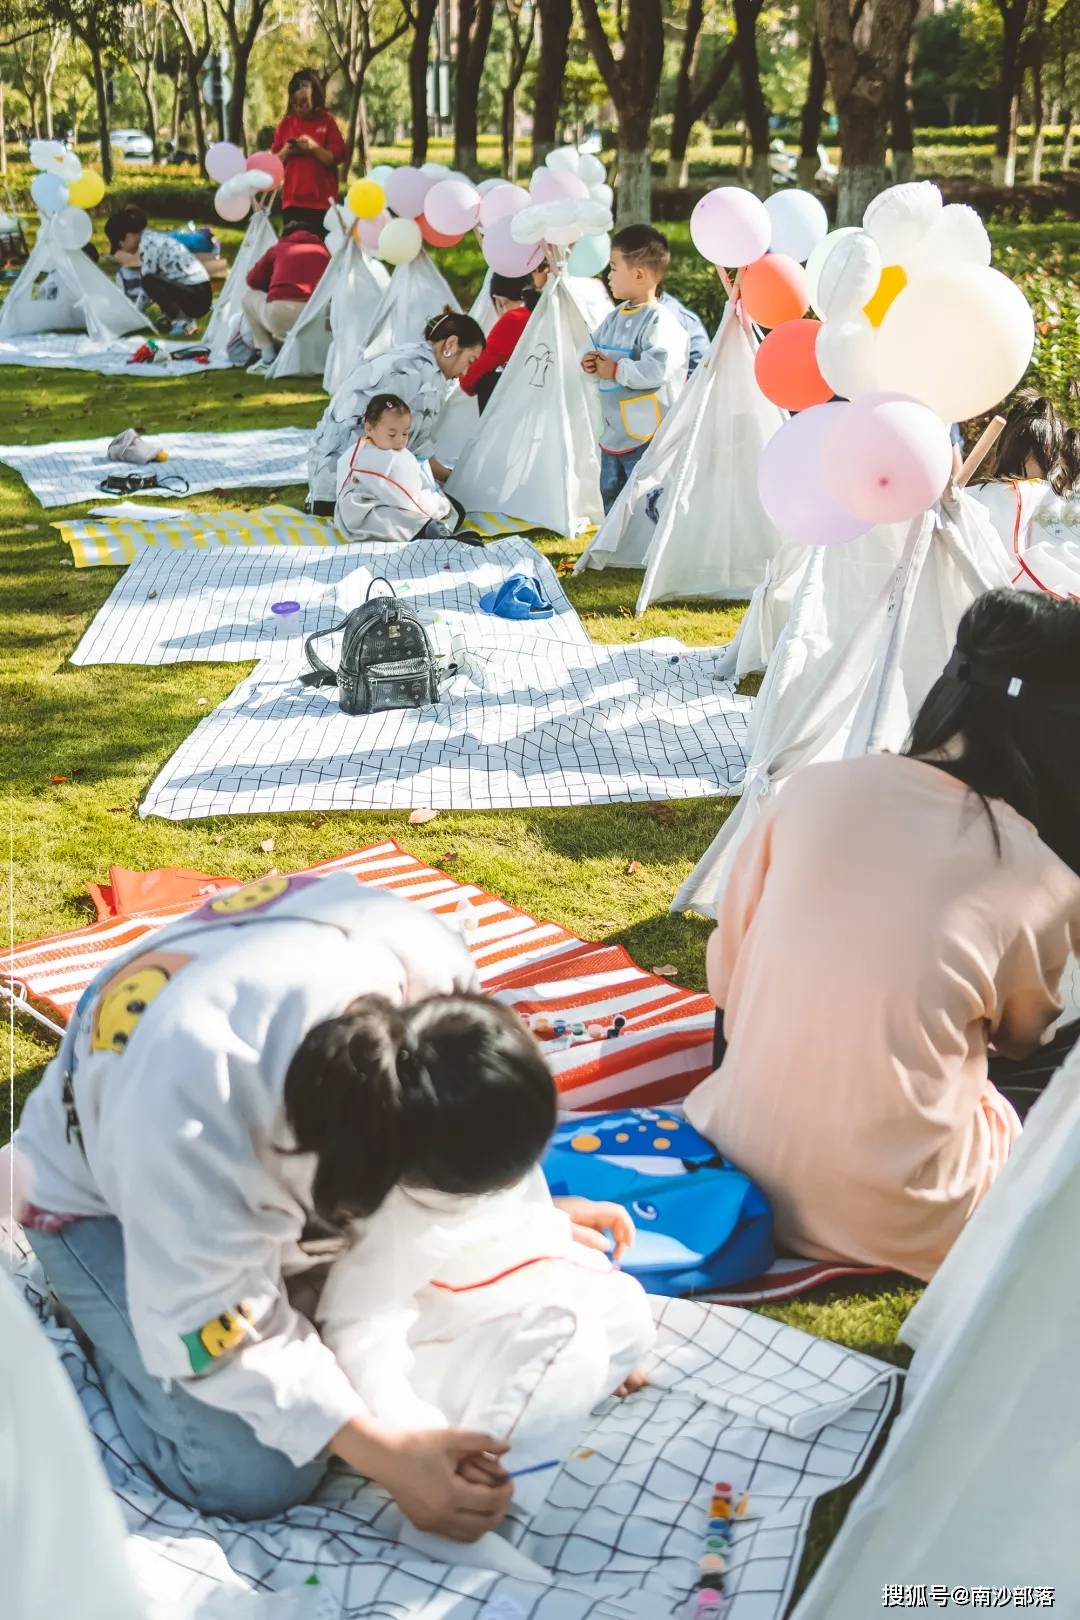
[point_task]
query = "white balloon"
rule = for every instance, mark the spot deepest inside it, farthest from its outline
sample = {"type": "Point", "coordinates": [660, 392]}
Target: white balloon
{"type": "Point", "coordinates": [245, 184]}
{"type": "Point", "coordinates": [380, 174]}
{"type": "Point", "coordinates": [49, 192]}
{"type": "Point", "coordinates": [602, 193]}
{"type": "Point", "coordinates": [799, 223]}
{"type": "Point", "coordinates": [848, 279]}
{"type": "Point", "coordinates": [846, 353]}
{"type": "Point", "coordinates": [400, 241]}
{"type": "Point", "coordinates": [73, 227]}
{"type": "Point", "coordinates": [489, 185]}
{"type": "Point", "coordinates": [67, 166]}
{"type": "Point", "coordinates": [591, 169]}
{"type": "Point", "coordinates": [563, 221]}
{"type": "Point", "coordinates": [958, 338]}
{"type": "Point", "coordinates": [817, 259]}
{"type": "Point", "coordinates": [565, 158]}
{"type": "Point", "coordinates": [45, 154]}
{"type": "Point", "coordinates": [898, 219]}
{"type": "Point", "coordinates": [440, 171]}
{"type": "Point", "coordinates": [958, 237]}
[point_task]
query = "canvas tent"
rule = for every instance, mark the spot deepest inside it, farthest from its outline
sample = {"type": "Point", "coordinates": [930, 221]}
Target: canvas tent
{"type": "Point", "coordinates": [59, 289]}
{"type": "Point", "coordinates": [977, 1485]}
{"type": "Point", "coordinates": [691, 514]}
{"type": "Point", "coordinates": [415, 293]}
{"type": "Point", "coordinates": [871, 629]}
{"type": "Point", "coordinates": [228, 311]}
{"type": "Point", "coordinates": [536, 457]}
{"type": "Point", "coordinates": [328, 337]}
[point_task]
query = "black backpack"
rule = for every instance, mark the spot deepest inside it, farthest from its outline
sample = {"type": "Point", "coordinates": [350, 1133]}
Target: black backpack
{"type": "Point", "coordinates": [386, 658]}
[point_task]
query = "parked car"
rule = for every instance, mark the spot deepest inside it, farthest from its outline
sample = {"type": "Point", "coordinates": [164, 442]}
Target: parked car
{"type": "Point", "coordinates": [131, 143]}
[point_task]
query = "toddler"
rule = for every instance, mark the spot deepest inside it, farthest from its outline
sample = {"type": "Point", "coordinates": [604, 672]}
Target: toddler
{"type": "Point", "coordinates": [383, 491]}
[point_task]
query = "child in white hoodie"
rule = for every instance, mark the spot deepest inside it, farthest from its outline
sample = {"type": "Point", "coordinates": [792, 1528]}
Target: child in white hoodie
{"type": "Point", "coordinates": [383, 491]}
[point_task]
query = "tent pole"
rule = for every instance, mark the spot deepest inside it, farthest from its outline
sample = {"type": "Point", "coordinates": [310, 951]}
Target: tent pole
{"type": "Point", "coordinates": [982, 447]}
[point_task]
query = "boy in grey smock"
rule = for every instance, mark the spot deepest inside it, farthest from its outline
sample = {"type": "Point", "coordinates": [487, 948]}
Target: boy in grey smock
{"type": "Point", "coordinates": [638, 357]}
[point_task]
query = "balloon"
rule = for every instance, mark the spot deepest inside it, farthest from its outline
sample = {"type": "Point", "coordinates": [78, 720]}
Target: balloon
{"type": "Point", "coordinates": [223, 160]}
{"type": "Point", "coordinates": [564, 160]}
{"type": "Point", "coordinates": [898, 219]}
{"type": "Point", "coordinates": [368, 231]}
{"type": "Point", "coordinates": [73, 227]}
{"type": "Point", "coordinates": [452, 207]}
{"type": "Point", "coordinates": [589, 256]}
{"type": "Point", "coordinates": [846, 353]}
{"type": "Point", "coordinates": [366, 198]}
{"type": "Point", "coordinates": [232, 205]}
{"type": "Point", "coordinates": [551, 185]}
{"type": "Point", "coordinates": [893, 280]}
{"type": "Point", "coordinates": [816, 261]}
{"type": "Point", "coordinates": [591, 169]}
{"type": "Point", "coordinates": [958, 338]}
{"type": "Point", "coordinates": [406, 189]}
{"type": "Point", "coordinates": [435, 238]}
{"type": "Point", "coordinates": [436, 171]}
{"type": "Point", "coordinates": [500, 202]}
{"type": "Point", "coordinates": [88, 190]}
{"type": "Point", "coordinates": [400, 241]}
{"type": "Point", "coordinates": [49, 192]}
{"type": "Point", "coordinates": [266, 163]}
{"type": "Point", "coordinates": [45, 154]}
{"type": "Point", "coordinates": [774, 290]}
{"type": "Point", "coordinates": [850, 275]}
{"type": "Point", "coordinates": [602, 193]}
{"type": "Point", "coordinates": [791, 481]}
{"type": "Point", "coordinates": [786, 367]}
{"type": "Point", "coordinates": [730, 226]}
{"type": "Point", "coordinates": [245, 184]}
{"type": "Point", "coordinates": [490, 183]}
{"type": "Point", "coordinates": [506, 256]}
{"type": "Point", "coordinates": [67, 166]}
{"type": "Point", "coordinates": [887, 459]}
{"type": "Point", "coordinates": [380, 174]}
{"type": "Point", "coordinates": [959, 237]}
{"type": "Point", "coordinates": [799, 223]}
{"type": "Point", "coordinates": [562, 222]}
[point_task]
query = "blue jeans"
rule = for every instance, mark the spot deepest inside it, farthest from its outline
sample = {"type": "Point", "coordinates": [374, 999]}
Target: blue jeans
{"type": "Point", "coordinates": [208, 1458]}
{"type": "Point", "coordinates": [616, 471]}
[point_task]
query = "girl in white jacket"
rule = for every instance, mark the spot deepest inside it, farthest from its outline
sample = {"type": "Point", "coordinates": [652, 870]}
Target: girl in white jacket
{"type": "Point", "coordinates": [384, 492]}
{"type": "Point", "coordinates": [1033, 497]}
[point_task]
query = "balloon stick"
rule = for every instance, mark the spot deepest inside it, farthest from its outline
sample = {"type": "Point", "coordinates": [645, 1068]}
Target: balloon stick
{"type": "Point", "coordinates": [981, 449]}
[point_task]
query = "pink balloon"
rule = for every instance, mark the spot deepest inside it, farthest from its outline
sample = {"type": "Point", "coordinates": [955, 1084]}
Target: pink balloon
{"type": "Point", "coordinates": [406, 190]}
{"type": "Point", "coordinates": [887, 458]}
{"type": "Point", "coordinates": [730, 226]}
{"type": "Point", "coordinates": [791, 481]}
{"type": "Point", "coordinates": [268, 164]}
{"type": "Point", "coordinates": [553, 185]}
{"type": "Point", "coordinates": [369, 230]}
{"type": "Point", "coordinates": [232, 208]}
{"type": "Point", "coordinates": [501, 202]}
{"type": "Point", "coordinates": [223, 160]}
{"type": "Point", "coordinates": [452, 207]}
{"type": "Point", "coordinates": [507, 257]}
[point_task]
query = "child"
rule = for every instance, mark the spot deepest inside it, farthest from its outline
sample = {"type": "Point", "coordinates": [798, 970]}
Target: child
{"type": "Point", "coordinates": [384, 491]}
{"type": "Point", "coordinates": [696, 335]}
{"type": "Point", "coordinates": [1030, 497]}
{"type": "Point", "coordinates": [639, 357]}
{"type": "Point", "coordinates": [511, 297]}
{"type": "Point", "coordinates": [280, 284]}
{"type": "Point", "coordinates": [172, 277]}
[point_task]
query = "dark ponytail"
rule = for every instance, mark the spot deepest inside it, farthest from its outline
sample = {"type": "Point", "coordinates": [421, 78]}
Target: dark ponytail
{"type": "Point", "coordinates": [453, 324]}
{"type": "Point", "coordinates": [451, 1093]}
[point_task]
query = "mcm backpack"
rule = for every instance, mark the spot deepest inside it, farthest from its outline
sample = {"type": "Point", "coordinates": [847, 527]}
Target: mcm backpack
{"type": "Point", "coordinates": [386, 658]}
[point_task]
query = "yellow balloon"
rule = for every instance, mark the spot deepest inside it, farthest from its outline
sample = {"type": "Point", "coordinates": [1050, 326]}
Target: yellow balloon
{"type": "Point", "coordinates": [87, 191]}
{"type": "Point", "coordinates": [366, 198]}
{"type": "Point", "coordinates": [893, 280]}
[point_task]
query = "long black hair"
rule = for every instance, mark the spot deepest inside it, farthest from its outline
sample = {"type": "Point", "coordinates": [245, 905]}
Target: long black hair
{"type": "Point", "coordinates": [450, 1093]}
{"type": "Point", "coordinates": [1033, 428]}
{"type": "Point", "coordinates": [308, 76]}
{"type": "Point", "coordinates": [1007, 706]}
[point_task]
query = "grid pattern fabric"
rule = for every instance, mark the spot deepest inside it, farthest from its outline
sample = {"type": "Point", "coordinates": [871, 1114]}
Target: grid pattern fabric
{"type": "Point", "coordinates": [77, 351]}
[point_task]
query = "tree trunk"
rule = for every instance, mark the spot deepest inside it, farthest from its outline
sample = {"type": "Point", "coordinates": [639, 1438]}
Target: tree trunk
{"type": "Point", "coordinates": [360, 150]}
{"type": "Point", "coordinates": [863, 77]}
{"type": "Point", "coordinates": [241, 58]}
{"type": "Point", "coordinates": [634, 199]}
{"type": "Point", "coordinates": [755, 108]}
{"type": "Point", "coordinates": [475, 18]}
{"type": "Point", "coordinates": [862, 171]}
{"type": "Point", "coordinates": [556, 18]}
{"type": "Point", "coordinates": [47, 98]}
{"type": "Point", "coordinates": [174, 121]}
{"type": "Point", "coordinates": [1067, 142]}
{"type": "Point", "coordinates": [903, 126]}
{"type": "Point", "coordinates": [1038, 102]}
{"type": "Point", "coordinates": [191, 73]}
{"type": "Point", "coordinates": [1010, 81]}
{"type": "Point", "coordinates": [812, 110]}
{"type": "Point", "coordinates": [418, 67]}
{"type": "Point", "coordinates": [149, 95]}
{"type": "Point", "coordinates": [353, 128]}
{"type": "Point", "coordinates": [508, 128]}
{"type": "Point", "coordinates": [102, 101]}
{"type": "Point", "coordinates": [3, 132]}
{"type": "Point", "coordinates": [682, 117]}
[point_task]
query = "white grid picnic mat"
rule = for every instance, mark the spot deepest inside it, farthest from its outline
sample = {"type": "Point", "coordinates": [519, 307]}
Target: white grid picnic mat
{"type": "Point", "coordinates": [548, 723]}
{"type": "Point", "coordinates": [219, 606]}
{"type": "Point", "coordinates": [76, 351]}
{"type": "Point", "coordinates": [114, 538]}
{"type": "Point", "coordinates": [622, 1529]}
{"type": "Point", "coordinates": [69, 471]}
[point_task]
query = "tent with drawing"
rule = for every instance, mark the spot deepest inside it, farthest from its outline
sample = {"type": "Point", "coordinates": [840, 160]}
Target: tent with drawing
{"type": "Point", "coordinates": [691, 515]}
{"type": "Point", "coordinates": [227, 315]}
{"type": "Point", "coordinates": [59, 289]}
{"type": "Point", "coordinates": [328, 337]}
{"type": "Point", "coordinates": [535, 457]}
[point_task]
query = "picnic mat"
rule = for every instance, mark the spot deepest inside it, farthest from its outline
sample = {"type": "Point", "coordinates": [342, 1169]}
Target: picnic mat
{"type": "Point", "coordinates": [546, 723]}
{"type": "Point", "coordinates": [71, 470]}
{"type": "Point", "coordinates": [124, 533]}
{"type": "Point", "coordinates": [226, 605]}
{"type": "Point", "coordinates": [77, 351]}
{"type": "Point", "coordinates": [621, 1530]}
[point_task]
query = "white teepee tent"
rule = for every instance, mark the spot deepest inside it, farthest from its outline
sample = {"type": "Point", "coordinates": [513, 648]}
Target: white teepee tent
{"type": "Point", "coordinates": [535, 457]}
{"type": "Point", "coordinates": [591, 297]}
{"type": "Point", "coordinates": [691, 514]}
{"type": "Point", "coordinates": [228, 312]}
{"type": "Point", "coordinates": [416, 292]}
{"type": "Point", "coordinates": [78, 297]}
{"type": "Point", "coordinates": [483, 310]}
{"type": "Point", "coordinates": [327, 339]}
{"type": "Point", "coordinates": [977, 1485]}
{"type": "Point", "coordinates": [871, 629]}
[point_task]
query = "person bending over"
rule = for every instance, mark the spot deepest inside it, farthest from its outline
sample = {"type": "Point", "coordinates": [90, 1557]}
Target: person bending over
{"type": "Point", "coordinates": [171, 276]}
{"type": "Point", "coordinates": [895, 929]}
{"type": "Point", "coordinates": [384, 491]}
{"type": "Point", "coordinates": [279, 286]}
{"type": "Point", "coordinates": [512, 297]}
{"type": "Point", "coordinates": [310, 145]}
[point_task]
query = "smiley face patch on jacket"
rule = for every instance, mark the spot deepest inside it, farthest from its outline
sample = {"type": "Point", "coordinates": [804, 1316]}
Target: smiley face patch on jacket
{"type": "Point", "coordinates": [127, 995]}
{"type": "Point", "coordinates": [255, 896]}
{"type": "Point", "coordinates": [218, 1336]}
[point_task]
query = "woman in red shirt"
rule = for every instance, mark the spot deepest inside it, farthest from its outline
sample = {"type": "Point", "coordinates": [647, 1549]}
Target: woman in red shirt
{"type": "Point", "coordinates": [309, 144]}
{"type": "Point", "coordinates": [513, 299]}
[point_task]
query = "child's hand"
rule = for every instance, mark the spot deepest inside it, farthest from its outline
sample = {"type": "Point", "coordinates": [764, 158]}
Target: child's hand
{"type": "Point", "coordinates": [588, 362]}
{"type": "Point", "coordinates": [590, 1220]}
{"type": "Point", "coordinates": [605, 368]}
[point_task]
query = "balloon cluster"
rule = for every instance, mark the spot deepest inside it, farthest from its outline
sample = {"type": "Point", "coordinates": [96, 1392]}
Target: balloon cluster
{"type": "Point", "coordinates": [911, 327]}
{"type": "Point", "coordinates": [240, 177]}
{"type": "Point", "coordinates": [63, 190]}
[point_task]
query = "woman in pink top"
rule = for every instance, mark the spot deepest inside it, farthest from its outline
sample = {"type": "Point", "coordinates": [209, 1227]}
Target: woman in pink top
{"type": "Point", "coordinates": [891, 922]}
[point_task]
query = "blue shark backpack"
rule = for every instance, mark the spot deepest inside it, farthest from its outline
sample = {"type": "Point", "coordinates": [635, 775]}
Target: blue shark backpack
{"type": "Point", "coordinates": [701, 1224]}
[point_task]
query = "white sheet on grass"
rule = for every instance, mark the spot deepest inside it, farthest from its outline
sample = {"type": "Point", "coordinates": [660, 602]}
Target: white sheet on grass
{"type": "Point", "coordinates": [620, 1532]}
{"type": "Point", "coordinates": [544, 723]}
{"type": "Point", "coordinates": [217, 606]}
{"type": "Point", "coordinates": [77, 351]}
{"type": "Point", "coordinates": [71, 470]}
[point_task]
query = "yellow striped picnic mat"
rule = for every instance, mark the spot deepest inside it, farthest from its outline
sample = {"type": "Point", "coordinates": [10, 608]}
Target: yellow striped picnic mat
{"type": "Point", "coordinates": [116, 541]}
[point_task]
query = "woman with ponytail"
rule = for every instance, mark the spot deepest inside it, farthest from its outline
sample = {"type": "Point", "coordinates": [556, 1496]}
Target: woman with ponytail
{"type": "Point", "coordinates": [224, 1104]}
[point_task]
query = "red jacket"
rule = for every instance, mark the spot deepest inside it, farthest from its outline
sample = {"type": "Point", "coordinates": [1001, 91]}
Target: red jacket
{"type": "Point", "coordinates": [308, 183]}
{"type": "Point", "coordinates": [291, 268]}
{"type": "Point", "coordinates": [502, 340]}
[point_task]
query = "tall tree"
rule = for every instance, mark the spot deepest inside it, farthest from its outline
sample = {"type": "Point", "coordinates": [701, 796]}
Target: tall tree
{"type": "Point", "coordinates": [1014, 19]}
{"type": "Point", "coordinates": [419, 49]}
{"type": "Point", "coordinates": [142, 51]}
{"type": "Point", "coordinates": [32, 70]}
{"type": "Point", "coordinates": [902, 138]}
{"type": "Point", "coordinates": [863, 59]}
{"type": "Point", "coordinates": [813, 107]}
{"type": "Point", "coordinates": [521, 26]}
{"type": "Point", "coordinates": [694, 92]}
{"type": "Point", "coordinates": [556, 20]}
{"type": "Point", "coordinates": [243, 20]}
{"type": "Point", "coordinates": [192, 19]}
{"type": "Point", "coordinates": [754, 106]}
{"type": "Point", "coordinates": [98, 25]}
{"type": "Point", "coordinates": [475, 18]}
{"type": "Point", "coordinates": [632, 79]}
{"type": "Point", "coordinates": [358, 31]}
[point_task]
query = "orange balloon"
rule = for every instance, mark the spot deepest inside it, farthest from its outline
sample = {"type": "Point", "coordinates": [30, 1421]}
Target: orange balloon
{"type": "Point", "coordinates": [435, 238]}
{"type": "Point", "coordinates": [786, 367]}
{"type": "Point", "coordinates": [775, 290]}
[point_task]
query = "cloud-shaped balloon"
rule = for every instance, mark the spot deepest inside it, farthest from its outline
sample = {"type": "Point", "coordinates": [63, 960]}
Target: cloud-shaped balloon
{"type": "Point", "coordinates": [562, 221]}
